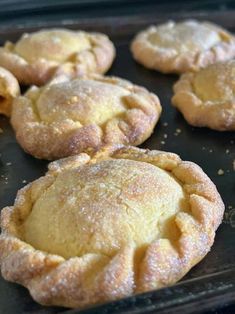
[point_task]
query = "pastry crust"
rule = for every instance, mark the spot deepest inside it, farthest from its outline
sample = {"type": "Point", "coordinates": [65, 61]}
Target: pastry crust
{"type": "Point", "coordinates": [35, 58]}
{"type": "Point", "coordinates": [207, 98]}
{"type": "Point", "coordinates": [68, 117]}
{"type": "Point", "coordinates": [9, 89]}
{"type": "Point", "coordinates": [180, 47]}
{"type": "Point", "coordinates": [178, 208]}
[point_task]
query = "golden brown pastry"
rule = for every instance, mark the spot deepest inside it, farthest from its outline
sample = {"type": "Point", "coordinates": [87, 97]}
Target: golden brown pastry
{"type": "Point", "coordinates": [9, 89]}
{"type": "Point", "coordinates": [207, 98]}
{"type": "Point", "coordinates": [179, 47]}
{"type": "Point", "coordinates": [68, 117]}
{"type": "Point", "coordinates": [99, 228]}
{"type": "Point", "coordinates": [36, 57]}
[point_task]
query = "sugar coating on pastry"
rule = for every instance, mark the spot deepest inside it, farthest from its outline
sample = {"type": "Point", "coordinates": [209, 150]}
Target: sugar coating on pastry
{"type": "Point", "coordinates": [37, 57]}
{"type": "Point", "coordinates": [139, 194]}
{"type": "Point", "coordinates": [207, 98]}
{"type": "Point", "coordinates": [67, 116]}
{"type": "Point", "coordinates": [9, 89]}
{"type": "Point", "coordinates": [101, 227]}
{"type": "Point", "coordinates": [178, 47]}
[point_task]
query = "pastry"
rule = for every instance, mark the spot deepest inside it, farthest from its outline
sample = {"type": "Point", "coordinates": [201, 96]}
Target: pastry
{"type": "Point", "coordinates": [179, 47]}
{"type": "Point", "coordinates": [9, 89]}
{"type": "Point", "coordinates": [67, 116]}
{"type": "Point", "coordinates": [36, 57]}
{"type": "Point", "coordinates": [207, 98]}
{"type": "Point", "coordinates": [102, 227]}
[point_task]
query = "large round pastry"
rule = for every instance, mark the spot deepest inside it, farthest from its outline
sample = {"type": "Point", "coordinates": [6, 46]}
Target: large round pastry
{"type": "Point", "coordinates": [207, 98]}
{"type": "Point", "coordinates": [179, 47]}
{"type": "Point", "coordinates": [67, 116]}
{"type": "Point", "coordinates": [102, 227]}
{"type": "Point", "coordinates": [35, 58]}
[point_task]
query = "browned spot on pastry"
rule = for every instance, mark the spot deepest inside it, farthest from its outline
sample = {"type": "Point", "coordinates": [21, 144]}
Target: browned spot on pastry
{"type": "Point", "coordinates": [9, 89]}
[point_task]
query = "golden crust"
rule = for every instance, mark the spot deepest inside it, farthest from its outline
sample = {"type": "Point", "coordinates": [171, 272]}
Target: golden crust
{"type": "Point", "coordinates": [95, 277]}
{"type": "Point", "coordinates": [207, 98]}
{"type": "Point", "coordinates": [37, 57]}
{"type": "Point", "coordinates": [9, 89]}
{"type": "Point", "coordinates": [68, 117]}
{"type": "Point", "coordinates": [180, 47]}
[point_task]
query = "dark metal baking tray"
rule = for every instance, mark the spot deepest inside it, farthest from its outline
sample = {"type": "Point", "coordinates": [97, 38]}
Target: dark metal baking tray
{"type": "Point", "coordinates": [212, 282]}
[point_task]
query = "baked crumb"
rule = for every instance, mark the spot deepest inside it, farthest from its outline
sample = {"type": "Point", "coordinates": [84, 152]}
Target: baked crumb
{"type": "Point", "coordinates": [163, 142]}
{"type": "Point", "coordinates": [227, 151]}
{"type": "Point", "coordinates": [220, 172]}
{"type": "Point", "coordinates": [8, 164]}
{"type": "Point", "coordinates": [165, 124]}
{"type": "Point", "coordinates": [165, 135]}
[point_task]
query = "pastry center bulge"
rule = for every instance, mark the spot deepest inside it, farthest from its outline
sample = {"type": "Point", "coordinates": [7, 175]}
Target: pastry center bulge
{"type": "Point", "coordinates": [98, 208]}
{"type": "Point", "coordinates": [182, 37]}
{"type": "Point", "coordinates": [82, 101]}
{"type": "Point", "coordinates": [216, 82]}
{"type": "Point", "coordinates": [54, 45]}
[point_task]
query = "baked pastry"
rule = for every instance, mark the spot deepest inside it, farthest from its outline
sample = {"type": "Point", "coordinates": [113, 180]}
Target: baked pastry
{"type": "Point", "coordinates": [99, 228]}
{"type": "Point", "coordinates": [72, 116]}
{"type": "Point", "coordinates": [9, 89]}
{"type": "Point", "coordinates": [36, 57]}
{"type": "Point", "coordinates": [207, 98]}
{"type": "Point", "coordinates": [179, 47]}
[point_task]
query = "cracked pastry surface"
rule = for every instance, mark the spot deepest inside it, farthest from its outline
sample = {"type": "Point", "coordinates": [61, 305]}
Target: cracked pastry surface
{"type": "Point", "coordinates": [68, 117]}
{"type": "Point", "coordinates": [36, 58]}
{"type": "Point", "coordinates": [9, 89]}
{"type": "Point", "coordinates": [101, 227]}
{"type": "Point", "coordinates": [207, 98]}
{"type": "Point", "coordinates": [179, 47]}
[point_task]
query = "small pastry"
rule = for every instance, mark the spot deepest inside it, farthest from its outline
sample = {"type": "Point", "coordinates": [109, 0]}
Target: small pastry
{"type": "Point", "coordinates": [9, 89]}
{"type": "Point", "coordinates": [35, 58]}
{"type": "Point", "coordinates": [207, 98]}
{"type": "Point", "coordinates": [99, 228]}
{"type": "Point", "coordinates": [180, 47]}
{"type": "Point", "coordinates": [68, 117]}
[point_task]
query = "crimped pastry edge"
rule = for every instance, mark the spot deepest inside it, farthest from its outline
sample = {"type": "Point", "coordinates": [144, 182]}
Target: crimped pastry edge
{"type": "Point", "coordinates": [151, 57]}
{"type": "Point", "coordinates": [217, 115]}
{"type": "Point", "coordinates": [52, 141]}
{"type": "Point", "coordinates": [98, 59]}
{"type": "Point", "coordinates": [52, 280]}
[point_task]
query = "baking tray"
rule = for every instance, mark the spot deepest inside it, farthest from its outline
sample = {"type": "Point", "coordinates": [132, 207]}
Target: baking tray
{"type": "Point", "coordinates": [211, 283]}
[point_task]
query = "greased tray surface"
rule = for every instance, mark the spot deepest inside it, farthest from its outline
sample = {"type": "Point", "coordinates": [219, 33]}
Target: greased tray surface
{"type": "Point", "coordinates": [212, 282]}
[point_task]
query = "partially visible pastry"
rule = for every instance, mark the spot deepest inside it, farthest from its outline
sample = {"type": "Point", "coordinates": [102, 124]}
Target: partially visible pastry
{"type": "Point", "coordinates": [9, 89]}
{"type": "Point", "coordinates": [67, 117]}
{"type": "Point", "coordinates": [102, 227]}
{"type": "Point", "coordinates": [35, 58]}
{"type": "Point", "coordinates": [179, 47]}
{"type": "Point", "coordinates": [207, 98]}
